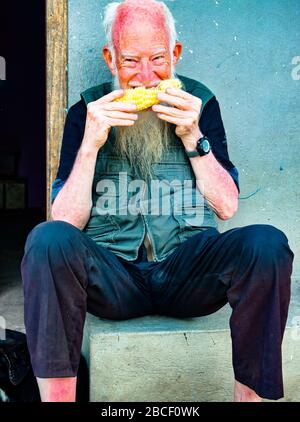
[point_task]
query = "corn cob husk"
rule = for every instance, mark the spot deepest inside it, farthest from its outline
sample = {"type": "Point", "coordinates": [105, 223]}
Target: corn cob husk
{"type": "Point", "coordinates": [144, 98]}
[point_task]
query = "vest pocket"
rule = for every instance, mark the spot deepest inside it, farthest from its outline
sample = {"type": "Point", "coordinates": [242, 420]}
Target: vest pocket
{"type": "Point", "coordinates": [102, 228]}
{"type": "Point", "coordinates": [192, 213]}
{"type": "Point", "coordinates": [186, 201]}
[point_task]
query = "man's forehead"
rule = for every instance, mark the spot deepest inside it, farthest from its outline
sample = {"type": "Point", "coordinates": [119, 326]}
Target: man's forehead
{"type": "Point", "coordinates": [139, 42]}
{"type": "Point", "coordinates": [142, 28]}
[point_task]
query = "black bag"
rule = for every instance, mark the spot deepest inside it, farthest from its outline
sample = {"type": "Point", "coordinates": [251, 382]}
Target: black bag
{"type": "Point", "coordinates": [17, 381]}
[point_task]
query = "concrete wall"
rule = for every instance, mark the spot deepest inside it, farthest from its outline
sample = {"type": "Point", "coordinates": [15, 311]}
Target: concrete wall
{"type": "Point", "coordinates": [246, 52]}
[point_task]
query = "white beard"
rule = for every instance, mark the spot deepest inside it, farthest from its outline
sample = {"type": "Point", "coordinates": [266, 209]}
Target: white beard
{"type": "Point", "coordinates": [145, 142]}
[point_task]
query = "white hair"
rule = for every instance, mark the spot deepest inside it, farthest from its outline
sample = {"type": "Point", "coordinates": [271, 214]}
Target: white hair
{"type": "Point", "coordinates": [110, 13]}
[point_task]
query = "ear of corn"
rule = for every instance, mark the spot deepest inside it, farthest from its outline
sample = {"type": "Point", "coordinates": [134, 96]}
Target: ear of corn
{"type": "Point", "coordinates": [144, 98]}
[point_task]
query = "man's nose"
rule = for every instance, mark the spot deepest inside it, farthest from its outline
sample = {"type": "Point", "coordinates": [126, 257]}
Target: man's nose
{"type": "Point", "coordinates": [147, 76]}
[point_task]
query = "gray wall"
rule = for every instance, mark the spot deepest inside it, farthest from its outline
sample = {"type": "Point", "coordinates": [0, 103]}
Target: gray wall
{"type": "Point", "coordinates": [243, 51]}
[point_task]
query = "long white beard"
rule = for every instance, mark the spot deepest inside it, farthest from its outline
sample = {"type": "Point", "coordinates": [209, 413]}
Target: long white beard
{"type": "Point", "coordinates": [145, 142]}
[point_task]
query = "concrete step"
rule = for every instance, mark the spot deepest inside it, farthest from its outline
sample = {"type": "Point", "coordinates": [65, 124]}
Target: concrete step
{"type": "Point", "coordinates": [156, 358]}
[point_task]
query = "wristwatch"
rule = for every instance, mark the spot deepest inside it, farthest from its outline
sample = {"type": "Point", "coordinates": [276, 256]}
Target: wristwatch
{"type": "Point", "coordinates": [202, 148]}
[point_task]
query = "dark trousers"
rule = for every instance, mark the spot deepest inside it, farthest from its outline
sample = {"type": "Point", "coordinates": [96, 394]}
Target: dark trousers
{"type": "Point", "coordinates": [65, 274]}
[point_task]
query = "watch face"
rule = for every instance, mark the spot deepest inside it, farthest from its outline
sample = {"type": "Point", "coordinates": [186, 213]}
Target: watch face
{"type": "Point", "coordinates": [205, 145]}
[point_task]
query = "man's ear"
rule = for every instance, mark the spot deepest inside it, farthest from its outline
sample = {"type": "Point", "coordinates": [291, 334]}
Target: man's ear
{"type": "Point", "coordinates": [108, 59]}
{"type": "Point", "coordinates": [176, 52]}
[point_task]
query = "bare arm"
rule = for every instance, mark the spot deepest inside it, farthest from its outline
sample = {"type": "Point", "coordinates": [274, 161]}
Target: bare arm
{"type": "Point", "coordinates": [216, 185]}
{"type": "Point", "coordinates": [77, 191]}
{"type": "Point", "coordinates": [73, 203]}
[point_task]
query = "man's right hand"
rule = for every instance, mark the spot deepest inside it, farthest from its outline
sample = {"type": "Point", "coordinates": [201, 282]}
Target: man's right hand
{"type": "Point", "coordinates": [104, 114]}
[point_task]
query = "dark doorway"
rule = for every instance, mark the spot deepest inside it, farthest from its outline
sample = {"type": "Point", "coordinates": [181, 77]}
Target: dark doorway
{"type": "Point", "coordinates": [22, 142]}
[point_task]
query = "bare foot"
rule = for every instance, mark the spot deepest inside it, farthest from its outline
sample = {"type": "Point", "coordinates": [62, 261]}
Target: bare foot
{"type": "Point", "coordinates": [242, 393]}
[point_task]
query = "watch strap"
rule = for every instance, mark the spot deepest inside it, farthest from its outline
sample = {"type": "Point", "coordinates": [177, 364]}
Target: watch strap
{"type": "Point", "coordinates": [191, 154]}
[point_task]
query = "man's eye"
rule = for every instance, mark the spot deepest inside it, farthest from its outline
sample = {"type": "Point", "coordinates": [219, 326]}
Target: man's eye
{"type": "Point", "coordinates": [130, 60]}
{"type": "Point", "coordinates": [159, 57]}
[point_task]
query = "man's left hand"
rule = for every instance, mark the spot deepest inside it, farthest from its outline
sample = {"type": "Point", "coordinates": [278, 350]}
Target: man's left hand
{"type": "Point", "coordinates": [185, 114]}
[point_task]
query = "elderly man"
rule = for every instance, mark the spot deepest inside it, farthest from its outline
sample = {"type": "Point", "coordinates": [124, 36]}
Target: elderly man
{"type": "Point", "coordinates": [123, 261]}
